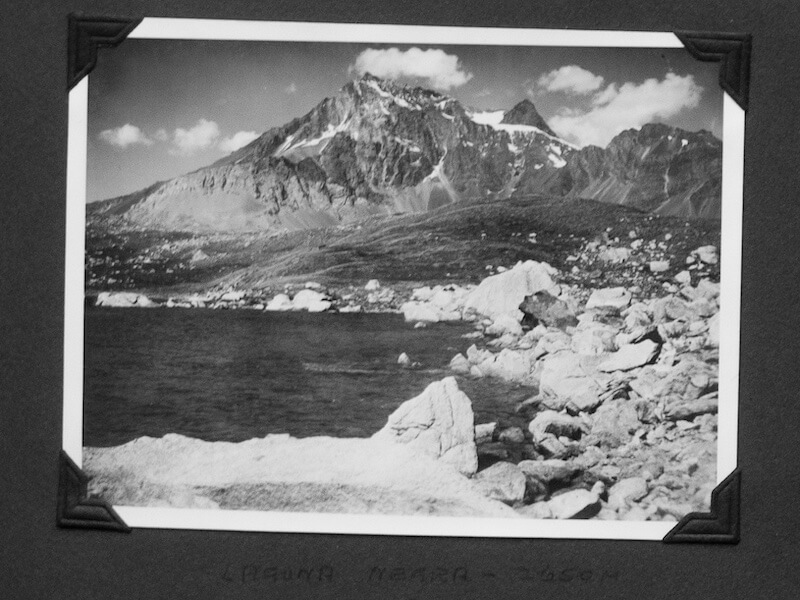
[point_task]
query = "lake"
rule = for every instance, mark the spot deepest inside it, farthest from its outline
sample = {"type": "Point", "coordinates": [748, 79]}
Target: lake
{"type": "Point", "coordinates": [232, 375]}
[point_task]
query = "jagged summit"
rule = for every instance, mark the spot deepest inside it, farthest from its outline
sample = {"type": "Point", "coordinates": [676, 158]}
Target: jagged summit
{"type": "Point", "coordinates": [379, 147]}
{"type": "Point", "coordinates": [525, 113]}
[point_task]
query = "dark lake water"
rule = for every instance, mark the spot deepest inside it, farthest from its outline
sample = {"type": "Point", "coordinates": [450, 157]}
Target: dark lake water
{"type": "Point", "coordinates": [238, 374]}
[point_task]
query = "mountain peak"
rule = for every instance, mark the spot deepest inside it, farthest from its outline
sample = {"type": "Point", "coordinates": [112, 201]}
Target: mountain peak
{"type": "Point", "coordinates": [525, 113]}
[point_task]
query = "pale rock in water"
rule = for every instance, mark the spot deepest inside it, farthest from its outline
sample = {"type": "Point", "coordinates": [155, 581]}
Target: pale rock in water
{"type": "Point", "coordinates": [124, 300]}
{"type": "Point", "coordinates": [485, 432]}
{"type": "Point", "coordinates": [502, 294]}
{"type": "Point", "coordinates": [280, 302]}
{"type": "Point", "coordinates": [439, 423]}
{"type": "Point", "coordinates": [460, 364]}
{"type": "Point", "coordinates": [510, 365]}
{"type": "Point", "coordinates": [311, 300]}
{"type": "Point", "coordinates": [372, 285]}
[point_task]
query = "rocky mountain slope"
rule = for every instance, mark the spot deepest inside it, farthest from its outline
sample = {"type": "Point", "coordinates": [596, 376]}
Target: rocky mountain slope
{"type": "Point", "coordinates": [381, 148]}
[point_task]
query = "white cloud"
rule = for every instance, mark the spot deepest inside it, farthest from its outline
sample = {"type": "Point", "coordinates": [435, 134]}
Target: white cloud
{"type": "Point", "coordinates": [440, 69]}
{"type": "Point", "coordinates": [571, 79]}
{"type": "Point", "coordinates": [630, 105]}
{"type": "Point", "coordinates": [237, 140]}
{"type": "Point", "coordinates": [125, 136]}
{"type": "Point", "coordinates": [291, 88]}
{"type": "Point", "coordinates": [200, 137]}
{"type": "Point", "coordinates": [161, 135]}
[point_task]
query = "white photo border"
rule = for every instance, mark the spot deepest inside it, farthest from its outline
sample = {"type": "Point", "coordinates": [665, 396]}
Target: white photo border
{"type": "Point", "coordinates": [246, 520]}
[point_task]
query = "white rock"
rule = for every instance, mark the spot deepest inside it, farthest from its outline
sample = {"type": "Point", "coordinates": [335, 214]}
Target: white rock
{"type": "Point", "coordinates": [509, 365]}
{"type": "Point", "coordinates": [313, 285]}
{"type": "Point", "coordinates": [551, 342]}
{"type": "Point", "coordinates": [707, 254]}
{"type": "Point", "coordinates": [423, 294]}
{"type": "Point", "coordinates": [550, 422]}
{"type": "Point", "coordinates": [630, 356]}
{"type": "Point", "coordinates": [439, 423]}
{"type": "Point", "coordinates": [617, 297]}
{"type": "Point", "coordinates": [485, 432]}
{"type": "Point", "coordinates": [659, 266]}
{"type": "Point", "coordinates": [124, 300]}
{"type": "Point", "coordinates": [404, 360]}
{"type": "Point", "coordinates": [564, 379]}
{"type": "Point", "coordinates": [354, 475]}
{"type": "Point", "coordinates": [372, 285]}
{"type": "Point", "coordinates": [199, 256]}
{"type": "Point", "coordinates": [460, 364]}
{"type": "Point", "coordinates": [537, 510]}
{"type": "Point", "coordinates": [420, 312]}
{"type": "Point", "coordinates": [614, 255]}
{"type": "Point", "coordinates": [575, 504]}
{"type": "Point", "coordinates": [502, 294]}
{"type": "Point", "coordinates": [232, 296]}
{"type": "Point", "coordinates": [311, 301]}
{"type": "Point", "coordinates": [593, 339]}
{"type": "Point", "coordinates": [684, 278]}
{"type": "Point", "coordinates": [350, 308]}
{"type": "Point", "coordinates": [504, 324]}
{"type": "Point", "coordinates": [502, 481]}
{"type": "Point", "coordinates": [280, 302]}
{"type": "Point", "coordinates": [627, 490]}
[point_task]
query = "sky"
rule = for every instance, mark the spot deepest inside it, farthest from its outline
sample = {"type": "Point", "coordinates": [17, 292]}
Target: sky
{"type": "Point", "coordinates": [161, 108]}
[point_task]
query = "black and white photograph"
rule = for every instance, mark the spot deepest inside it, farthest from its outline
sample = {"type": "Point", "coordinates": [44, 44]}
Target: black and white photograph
{"type": "Point", "coordinates": [394, 280]}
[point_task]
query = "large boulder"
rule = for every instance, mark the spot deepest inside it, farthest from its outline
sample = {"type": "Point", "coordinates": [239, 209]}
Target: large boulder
{"type": "Point", "coordinates": [438, 423]}
{"type": "Point", "coordinates": [502, 481]}
{"type": "Point", "coordinates": [280, 302]}
{"type": "Point", "coordinates": [311, 301]}
{"type": "Point", "coordinates": [281, 473]}
{"type": "Point", "coordinates": [503, 293]}
{"type": "Point", "coordinates": [614, 423]}
{"type": "Point", "coordinates": [567, 378]}
{"type": "Point", "coordinates": [542, 307]}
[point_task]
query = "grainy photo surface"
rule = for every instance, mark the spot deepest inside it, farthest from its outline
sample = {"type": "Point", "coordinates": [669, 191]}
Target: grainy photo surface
{"type": "Point", "coordinates": [426, 280]}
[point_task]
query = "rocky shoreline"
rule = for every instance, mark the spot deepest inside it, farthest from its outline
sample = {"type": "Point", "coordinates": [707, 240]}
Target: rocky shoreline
{"type": "Point", "coordinates": [623, 426]}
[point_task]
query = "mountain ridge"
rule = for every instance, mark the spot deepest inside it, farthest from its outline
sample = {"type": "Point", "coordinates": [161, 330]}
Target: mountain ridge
{"type": "Point", "coordinates": [377, 147]}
